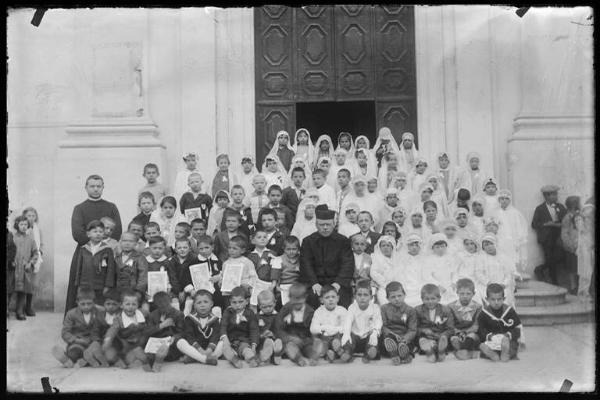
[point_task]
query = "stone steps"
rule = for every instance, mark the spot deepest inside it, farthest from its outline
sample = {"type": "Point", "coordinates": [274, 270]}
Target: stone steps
{"type": "Point", "coordinates": [535, 293]}
{"type": "Point", "coordinates": [573, 310]}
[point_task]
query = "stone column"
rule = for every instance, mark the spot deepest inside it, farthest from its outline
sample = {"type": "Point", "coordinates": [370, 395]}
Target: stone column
{"type": "Point", "coordinates": [553, 137]}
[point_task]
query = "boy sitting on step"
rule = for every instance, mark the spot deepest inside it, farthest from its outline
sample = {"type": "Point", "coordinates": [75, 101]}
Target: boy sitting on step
{"type": "Point", "coordinates": [436, 324]}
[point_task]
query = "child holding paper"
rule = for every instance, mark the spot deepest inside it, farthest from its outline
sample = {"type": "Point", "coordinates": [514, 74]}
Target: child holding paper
{"type": "Point", "coordinates": [237, 270]}
{"type": "Point", "coordinates": [208, 260]}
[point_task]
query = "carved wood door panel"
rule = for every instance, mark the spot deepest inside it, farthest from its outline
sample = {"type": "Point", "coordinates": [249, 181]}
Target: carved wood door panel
{"type": "Point", "coordinates": [333, 53]}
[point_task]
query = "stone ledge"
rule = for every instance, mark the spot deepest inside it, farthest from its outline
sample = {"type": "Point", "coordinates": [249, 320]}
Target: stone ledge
{"type": "Point", "coordinates": [111, 133]}
{"type": "Point", "coordinates": [569, 127]}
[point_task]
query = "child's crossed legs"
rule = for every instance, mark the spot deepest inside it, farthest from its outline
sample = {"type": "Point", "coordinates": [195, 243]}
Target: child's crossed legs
{"type": "Point", "coordinates": [232, 351]}
{"type": "Point", "coordinates": [304, 351]}
{"type": "Point", "coordinates": [435, 349]}
{"type": "Point", "coordinates": [465, 344]}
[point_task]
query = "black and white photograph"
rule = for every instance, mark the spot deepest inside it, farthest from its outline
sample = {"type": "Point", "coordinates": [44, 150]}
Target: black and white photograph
{"type": "Point", "coordinates": [350, 198]}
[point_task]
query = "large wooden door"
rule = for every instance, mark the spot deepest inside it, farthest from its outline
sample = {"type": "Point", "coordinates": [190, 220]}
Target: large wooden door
{"type": "Point", "coordinates": [333, 53]}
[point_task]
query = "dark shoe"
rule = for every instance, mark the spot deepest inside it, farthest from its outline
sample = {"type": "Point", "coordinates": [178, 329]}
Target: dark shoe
{"type": "Point", "coordinates": [146, 367]}
{"type": "Point", "coordinates": [455, 342]}
{"type": "Point", "coordinates": [30, 312]}
{"type": "Point", "coordinates": [346, 357]}
{"type": "Point", "coordinates": [21, 317]}
{"type": "Point", "coordinates": [371, 352]}
{"type": "Point", "coordinates": [187, 359]}
{"type": "Point", "coordinates": [396, 360]}
{"type": "Point", "coordinates": [390, 346]}
{"type": "Point", "coordinates": [403, 351]}
{"type": "Point", "coordinates": [302, 362]}
{"type": "Point", "coordinates": [330, 355]}
{"type": "Point", "coordinates": [211, 360]}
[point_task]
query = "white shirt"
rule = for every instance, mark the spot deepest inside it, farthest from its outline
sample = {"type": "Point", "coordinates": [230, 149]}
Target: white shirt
{"type": "Point", "coordinates": [87, 317]}
{"type": "Point", "coordinates": [328, 322]}
{"type": "Point", "coordinates": [327, 196]}
{"type": "Point", "coordinates": [363, 322]}
{"type": "Point", "coordinates": [552, 210]}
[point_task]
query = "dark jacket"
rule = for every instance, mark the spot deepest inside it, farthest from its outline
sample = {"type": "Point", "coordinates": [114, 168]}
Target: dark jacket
{"type": "Point", "coordinates": [325, 260]}
{"type": "Point", "coordinates": [290, 199]}
{"type": "Point", "coordinates": [177, 271]}
{"type": "Point", "coordinates": [268, 323]}
{"type": "Point", "coordinates": [287, 330]}
{"type": "Point", "coordinates": [442, 324]}
{"type": "Point", "coordinates": [245, 331]}
{"type": "Point", "coordinates": [97, 270]}
{"type": "Point", "coordinates": [133, 272]}
{"type": "Point", "coordinates": [262, 264]}
{"type": "Point", "coordinates": [203, 202]}
{"type": "Point", "coordinates": [401, 321]}
{"type": "Point", "coordinates": [75, 327]}
{"type": "Point", "coordinates": [504, 320]}
{"type": "Point", "coordinates": [546, 235]}
{"type": "Point", "coordinates": [206, 337]}
{"type": "Point", "coordinates": [221, 244]}
{"type": "Point", "coordinates": [153, 322]}
{"type": "Point", "coordinates": [246, 223]}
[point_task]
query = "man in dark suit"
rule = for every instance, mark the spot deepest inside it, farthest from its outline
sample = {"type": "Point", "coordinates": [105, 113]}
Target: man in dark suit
{"type": "Point", "coordinates": [326, 258]}
{"type": "Point", "coordinates": [547, 223]}
{"type": "Point", "coordinates": [292, 195]}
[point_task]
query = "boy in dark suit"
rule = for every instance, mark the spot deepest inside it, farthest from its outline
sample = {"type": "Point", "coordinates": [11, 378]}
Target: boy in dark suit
{"type": "Point", "coordinates": [365, 223]}
{"type": "Point", "coordinates": [547, 223]}
{"type": "Point", "coordinates": [292, 195]}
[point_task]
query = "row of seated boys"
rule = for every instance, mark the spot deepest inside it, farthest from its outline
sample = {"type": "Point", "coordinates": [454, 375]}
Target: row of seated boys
{"type": "Point", "coordinates": [116, 335]}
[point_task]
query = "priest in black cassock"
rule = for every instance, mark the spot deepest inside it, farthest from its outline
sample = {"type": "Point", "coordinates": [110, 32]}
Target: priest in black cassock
{"type": "Point", "coordinates": [326, 258]}
{"type": "Point", "coordinates": [93, 208]}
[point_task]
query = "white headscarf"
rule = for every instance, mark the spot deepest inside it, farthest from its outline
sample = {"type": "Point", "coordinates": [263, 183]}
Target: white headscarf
{"type": "Point", "coordinates": [216, 214]}
{"type": "Point", "coordinates": [386, 133]}
{"type": "Point", "coordinates": [304, 227]}
{"type": "Point", "coordinates": [351, 149]}
{"type": "Point", "coordinates": [382, 178]}
{"type": "Point", "coordinates": [275, 178]}
{"type": "Point", "coordinates": [275, 147]}
{"type": "Point", "coordinates": [345, 227]}
{"type": "Point", "coordinates": [404, 161]}
{"type": "Point", "coordinates": [317, 155]}
{"type": "Point", "coordinates": [310, 153]}
{"type": "Point", "coordinates": [371, 160]}
{"type": "Point", "coordinates": [382, 266]}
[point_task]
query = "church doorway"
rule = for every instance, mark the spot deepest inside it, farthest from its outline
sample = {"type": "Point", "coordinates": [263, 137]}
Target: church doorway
{"type": "Point", "coordinates": [334, 68]}
{"type": "Point", "coordinates": [331, 118]}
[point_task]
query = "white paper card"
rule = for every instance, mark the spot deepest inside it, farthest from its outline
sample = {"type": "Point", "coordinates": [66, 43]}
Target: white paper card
{"type": "Point", "coordinates": [257, 287]}
{"type": "Point", "coordinates": [157, 282]}
{"type": "Point", "coordinates": [201, 277]}
{"type": "Point", "coordinates": [193, 213]}
{"type": "Point", "coordinates": [156, 343]}
{"type": "Point", "coordinates": [232, 277]}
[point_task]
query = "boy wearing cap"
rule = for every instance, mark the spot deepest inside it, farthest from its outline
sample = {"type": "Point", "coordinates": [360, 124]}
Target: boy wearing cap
{"type": "Point", "coordinates": [293, 327]}
{"type": "Point", "coordinates": [547, 224]}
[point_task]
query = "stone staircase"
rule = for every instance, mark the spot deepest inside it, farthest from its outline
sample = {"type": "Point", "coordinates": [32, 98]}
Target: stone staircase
{"type": "Point", "coordinates": [540, 303]}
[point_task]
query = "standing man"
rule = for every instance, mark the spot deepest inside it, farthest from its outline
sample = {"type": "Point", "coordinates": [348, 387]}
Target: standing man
{"type": "Point", "coordinates": [93, 208]}
{"type": "Point", "coordinates": [547, 224]}
{"type": "Point", "coordinates": [326, 258]}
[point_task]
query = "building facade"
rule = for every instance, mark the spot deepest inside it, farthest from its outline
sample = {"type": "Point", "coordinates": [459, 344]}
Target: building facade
{"type": "Point", "coordinates": [107, 90]}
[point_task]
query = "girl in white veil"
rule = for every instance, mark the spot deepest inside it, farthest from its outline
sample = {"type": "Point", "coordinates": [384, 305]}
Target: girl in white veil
{"type": "Point", "coordinates": [283, 149]}
{"type": "Point", "coordinates": [363, 166]}
{"type": "Point", "coordinates": [323, 150]}
{"type": "Point", "coordinates": [305, 219]}
{"type": "Point", "coordinates": [346, 142]}
{"type": "Point", "coordinates": [346, 226]}
{"type": "Point", "coordinates": [384, 263]}
{"type": "Point", "coordinates": [303, 146]}
{"type": "Point", "coordinates": [363, 142]}
{"type": "Point", "coordinates": [439, 195]}
{"type": "Point", "coordinates": [247, 172]}
{"type": "Point", "coordinates": [274, 172]}
{"type": "Point", "coordinates": [389, 167]}
{"type": "Point", "coordinates": [385, 143]}
{"type": "Point", "coordinates": [408, 152]}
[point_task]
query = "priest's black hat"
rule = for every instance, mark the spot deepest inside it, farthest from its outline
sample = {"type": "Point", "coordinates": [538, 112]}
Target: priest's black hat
{"type": "Point", "coordinates": [322, 212]}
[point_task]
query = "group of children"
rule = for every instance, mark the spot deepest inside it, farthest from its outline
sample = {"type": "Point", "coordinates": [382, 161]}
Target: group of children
{"type": "Point", "coordinates": [435, 268]}
{"type": "Point", "coordinates": [119, 333]}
